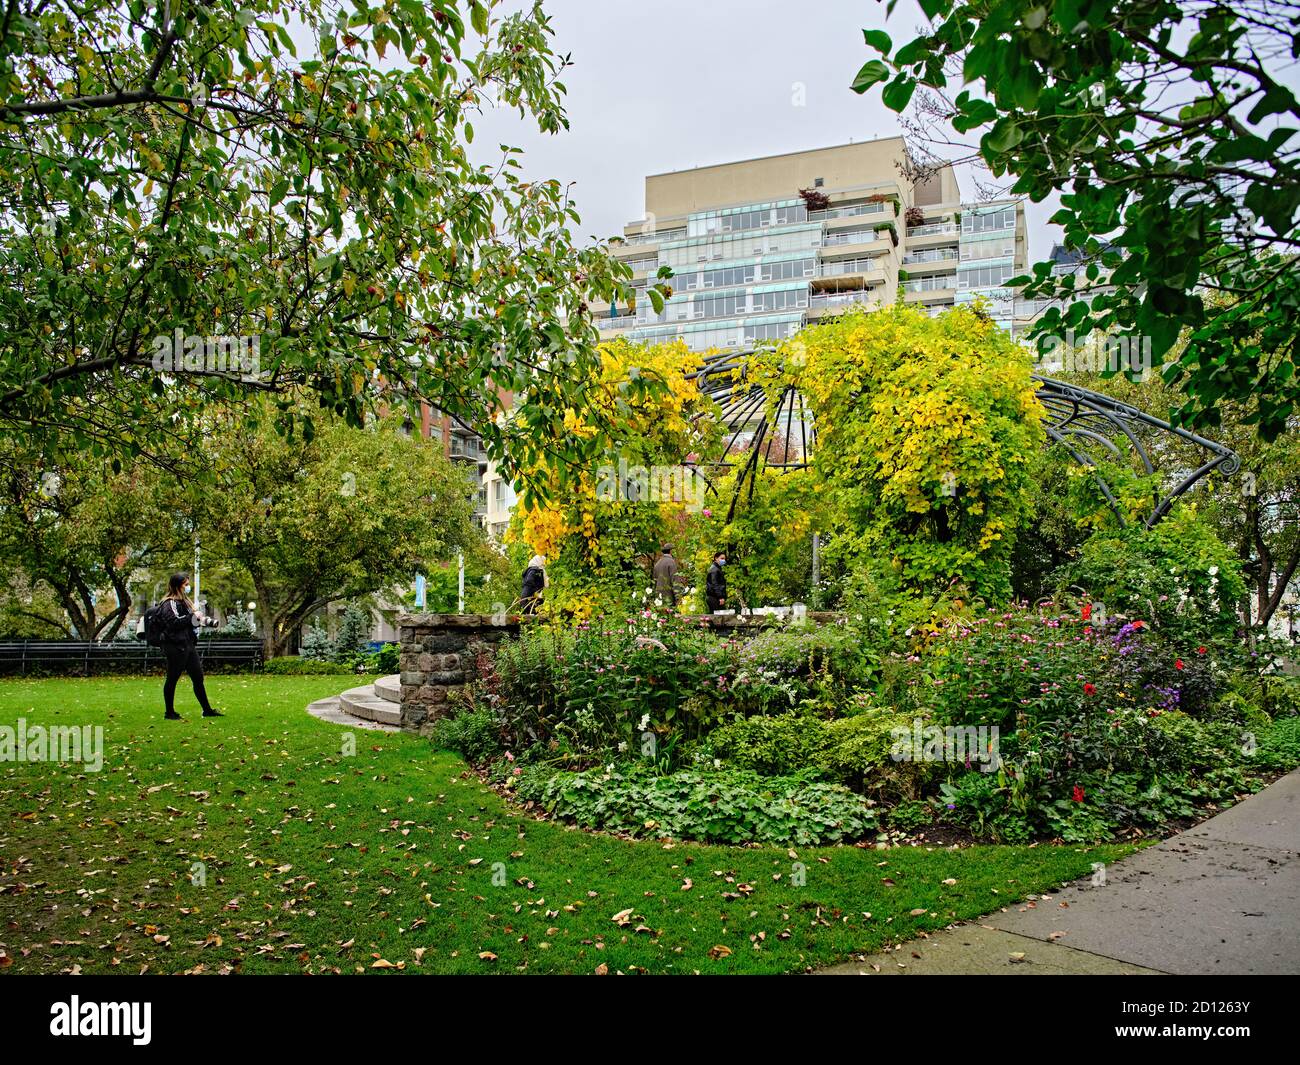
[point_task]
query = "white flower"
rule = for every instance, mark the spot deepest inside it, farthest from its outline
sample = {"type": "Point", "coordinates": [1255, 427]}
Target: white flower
{"type": "Point", "coordinates": [622, 746]}
{"type": "Point", "coordinates": [644, 723]}
{"type": "Point", "coordinates": [1214, 571]}
{"type": "Point", "coordinates": [717, 763]}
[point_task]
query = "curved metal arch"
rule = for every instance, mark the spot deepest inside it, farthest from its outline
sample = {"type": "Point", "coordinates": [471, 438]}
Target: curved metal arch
{"type": "Point", "coordinates": [1083, 422]}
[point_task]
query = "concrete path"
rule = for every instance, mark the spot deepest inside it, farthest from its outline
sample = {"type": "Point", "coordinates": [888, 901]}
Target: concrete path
{"type": "Point", "coordinates": [1223, 897]}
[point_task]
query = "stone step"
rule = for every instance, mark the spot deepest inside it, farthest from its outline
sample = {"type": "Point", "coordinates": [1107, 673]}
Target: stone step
{"type": "Point", "coordinates": [362, 702]}
{"type": "Point", "coordinates": [389, 688]}
{"type": "Point", "coordinates": [330, 710]}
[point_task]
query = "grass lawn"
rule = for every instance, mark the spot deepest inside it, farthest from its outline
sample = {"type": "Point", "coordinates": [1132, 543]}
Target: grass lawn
{"type": "Point", "coordinates": [397, 858]}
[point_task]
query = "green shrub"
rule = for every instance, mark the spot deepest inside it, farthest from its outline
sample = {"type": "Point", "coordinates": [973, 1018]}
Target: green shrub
{"type": "Point", "coordinates": [355, 624]}
{"type": "Point", "coordinates": [1280, 695]}
{"type": "Point", "coordinates": [296, 666]}
{"type": "Point", "coordinates": [1279, 748]}
{"type": "Point", "coordinates": [910, 815]}
{"type": "Point", "coordinates": [725, 806]}
{"type": "Point", "coordinates": [858, 753]}
{"type": "Point", "coordinates": [316, 645]}
{"type": "Point", "coordinates": [388, 659]}
{"type": "Point", "coordinates": [1179, 576]}
{"type": "Point", "coordinates": [473, 734]}
{"type": "Point", "coordinates": [1196, 746]}
{"type": "Point", "coordinates": [774, 746]}
{"type": "Point", "coordinates": [239, 626]}
{"type": "Point", "coordinates": [782, 668]}
{"type": "Point", "coordinates": [531, 680]}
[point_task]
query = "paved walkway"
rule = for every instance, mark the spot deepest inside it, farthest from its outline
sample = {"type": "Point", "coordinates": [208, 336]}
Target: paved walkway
{"type": "Point", "coordinates": [1223, 897]}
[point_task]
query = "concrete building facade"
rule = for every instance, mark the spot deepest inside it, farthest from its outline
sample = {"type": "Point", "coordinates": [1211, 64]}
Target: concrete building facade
{"type": "Point", "coordinates": [762, 247]}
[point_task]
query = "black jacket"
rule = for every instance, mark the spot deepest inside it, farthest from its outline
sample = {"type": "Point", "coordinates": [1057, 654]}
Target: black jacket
{"type": "Point", "coordinates": [179, 627]}
{"type": "Point", "coordinates": [534, 582]}
{"type": "Point", "coordinates": [715, 583]}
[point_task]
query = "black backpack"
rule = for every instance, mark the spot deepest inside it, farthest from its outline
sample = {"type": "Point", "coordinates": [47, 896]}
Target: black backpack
{"type": "Point", "coordinates": [157, 620]}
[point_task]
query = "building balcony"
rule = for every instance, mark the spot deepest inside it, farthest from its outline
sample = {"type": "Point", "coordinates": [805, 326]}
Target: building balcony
{"type": "Point", "coordinates": [866, 247]}
{"type": "Point", "coordinates": [824, 304]}
{"type": "Point", "coordinates": [947, 253]}
{"type": "Point", "coordinates": [649, 240]}
{"type": "Point", "coordinates": [928, 238]}
{"type": "Point", "coordinates": [932, 229]}
{"type": "Point", "coordinates": [850, 275]}
{"type": "Point", "coordinates": [611, 325]}
{"type": "Point", "coordinates": [853, 211]}
{"type": "Point", "coordinates": [930, 289]}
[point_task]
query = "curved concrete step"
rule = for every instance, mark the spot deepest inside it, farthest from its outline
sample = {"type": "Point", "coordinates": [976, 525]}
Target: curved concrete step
{"type": "Point", "coordinates": [389, 688]}
{"type": "Point", "coordinates": [330, 710]}
{"type": "Point", "coordinates": [364, 703]}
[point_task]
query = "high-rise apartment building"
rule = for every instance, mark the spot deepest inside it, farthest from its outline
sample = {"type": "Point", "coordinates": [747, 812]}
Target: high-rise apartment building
{"type": "Point", "coordinates": [762, 247]}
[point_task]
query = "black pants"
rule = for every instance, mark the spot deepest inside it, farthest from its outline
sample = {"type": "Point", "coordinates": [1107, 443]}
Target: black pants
{"type": "Point", "coordinates": [183, 658]}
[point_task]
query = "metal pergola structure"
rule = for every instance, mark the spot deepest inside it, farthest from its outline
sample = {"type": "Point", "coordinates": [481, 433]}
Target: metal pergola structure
{"type": "Point", "coordinates": [1090, 426]}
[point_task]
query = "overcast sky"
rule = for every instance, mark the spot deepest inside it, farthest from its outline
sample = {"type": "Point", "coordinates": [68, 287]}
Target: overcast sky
{"type": "Point", "coordinates": [675, 84]}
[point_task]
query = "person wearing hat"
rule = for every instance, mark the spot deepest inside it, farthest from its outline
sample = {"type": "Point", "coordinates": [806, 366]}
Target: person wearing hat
{"type": "Point", "coordinates": [530, 595]}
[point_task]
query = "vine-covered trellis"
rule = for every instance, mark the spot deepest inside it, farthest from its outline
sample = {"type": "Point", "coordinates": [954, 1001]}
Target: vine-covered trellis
{"type": "Point", "coordinates": [1093, 428]}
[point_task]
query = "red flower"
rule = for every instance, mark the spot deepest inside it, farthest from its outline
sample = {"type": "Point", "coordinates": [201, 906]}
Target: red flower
{"type": "Point", "coordinates": [1139, 624]}
{"type": "Point", "coordinates": [1078, 794]}
{"type": "Point", "coordinates": [1178, 663]}
{"type": "Point", "coordinates": [1087, 611]}
{"type": "Point", "coordinates": [1201, 650]}
{"type": "Point", "coordinates": [1089, 688]}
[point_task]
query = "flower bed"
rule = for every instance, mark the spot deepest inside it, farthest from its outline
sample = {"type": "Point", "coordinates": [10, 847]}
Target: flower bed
{"type": "Point", "coordinates": [1013, 725]}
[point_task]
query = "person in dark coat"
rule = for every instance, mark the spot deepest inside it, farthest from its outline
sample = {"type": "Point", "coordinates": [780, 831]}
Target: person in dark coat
{"type": "Point", "coordinates": [180, 646]}
{"type": "Point", "coordinates": [665, 571]}
{"type": "Point", "coordinates": [715, 584]}
{"type": "Point", "coordinates": [534, 582]}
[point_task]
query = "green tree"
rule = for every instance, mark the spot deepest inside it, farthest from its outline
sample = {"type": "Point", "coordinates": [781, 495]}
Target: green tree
{"type": "Point", "coordinates": [71, 525]}
{"type": "Point", "coordinates": [1173, 145]}
{"type": "Point", "coordinates": [179, 166]}
{"type": "Point", "coordinates": [342, 515]}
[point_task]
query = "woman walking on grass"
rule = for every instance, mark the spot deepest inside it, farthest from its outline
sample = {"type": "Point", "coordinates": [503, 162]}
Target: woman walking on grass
{"type": "Point", "coordinates": [180, 638]}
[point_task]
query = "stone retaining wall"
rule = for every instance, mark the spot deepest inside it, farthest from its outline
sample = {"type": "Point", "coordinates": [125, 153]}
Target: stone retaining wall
{"type": "Point", "coordinates": [441, 653]}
